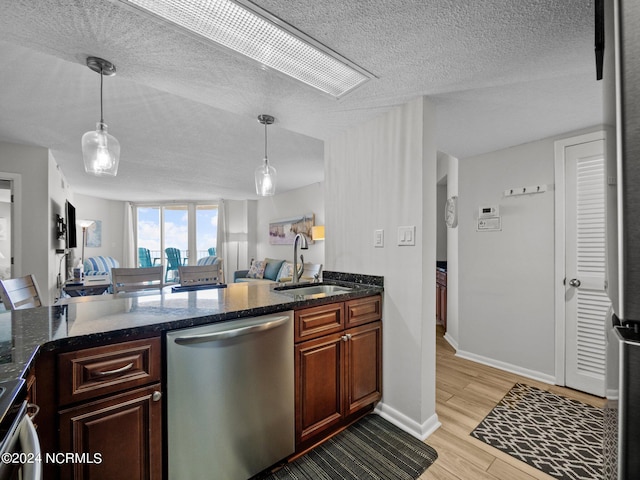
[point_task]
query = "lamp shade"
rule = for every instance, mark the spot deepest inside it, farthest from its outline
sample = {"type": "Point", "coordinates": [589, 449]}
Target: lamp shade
{"type": "Point", "coordinates": [85, 223]}
{"type": "Point", "coordinates": [317, 232]}
{"type": "Point", "coordinates": [100, 152]}
{"type": "Point", "coordinates": [265, 179]}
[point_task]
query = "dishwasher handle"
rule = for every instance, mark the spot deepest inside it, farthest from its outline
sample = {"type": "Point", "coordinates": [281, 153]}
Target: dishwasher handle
{"type": "Point", "coordinates": [273, 322]}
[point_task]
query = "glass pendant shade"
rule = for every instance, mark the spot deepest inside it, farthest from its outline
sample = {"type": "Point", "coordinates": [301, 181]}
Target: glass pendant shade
{"type": "Point", "coordinates": [265, 179]}
{"type": "Point", "coordinates": [265, 174]}
{"type": "Point", "coordinates": [100, 151]}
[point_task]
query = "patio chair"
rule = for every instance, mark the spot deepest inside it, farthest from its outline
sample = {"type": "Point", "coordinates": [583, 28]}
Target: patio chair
{"type": "Point", "coordinates": [201, 274]}
{"type": "Point", "coordinates": [174, 260]}
{"type": "Point", "coordinates": [144, 258]}
{"type": "Point", "coordinates": [135, 279]}
{"type": "Point", "coordinates": [21, 292]}
{"type": "Point", "coordinates": [212, 251]}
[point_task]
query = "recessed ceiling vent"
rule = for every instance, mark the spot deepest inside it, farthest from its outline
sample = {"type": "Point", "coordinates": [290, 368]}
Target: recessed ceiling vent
{"type": "Point", "coordinates": [255, 33]}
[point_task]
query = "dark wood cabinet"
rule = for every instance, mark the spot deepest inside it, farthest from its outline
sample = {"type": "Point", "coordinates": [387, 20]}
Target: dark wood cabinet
{"type": "Point", "coordinates": [110, 411]}
{"type": "Point", "coordinates": [441, 298]}
{"type": "Point", "coordinates": [116, 437]}
{"type": "Point", "coordinates": [339, 374]}
{"type": "Point", "coordinates": [319, 371]}
{"type": "Point", "coordinates": [363, 366]}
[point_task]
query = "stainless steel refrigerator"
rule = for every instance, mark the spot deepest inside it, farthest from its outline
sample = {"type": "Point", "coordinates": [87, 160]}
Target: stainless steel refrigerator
{"type": "Point", "coordinates": [619, 21]}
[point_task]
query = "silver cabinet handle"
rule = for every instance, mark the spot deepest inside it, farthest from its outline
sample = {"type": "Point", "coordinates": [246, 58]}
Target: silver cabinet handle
{"type": "Point", "coordinates": [128, 366]}
{"type": "Point", "coordinates": [346, 338]}
{"type": "Point", "coordinates": [32, 410]}
{"type": "Point", "coordinates": [235, 332]}
{"type": "Point", "coordinates": [574, 282]}
{"type": "Point", "coordinates": [156, 396]}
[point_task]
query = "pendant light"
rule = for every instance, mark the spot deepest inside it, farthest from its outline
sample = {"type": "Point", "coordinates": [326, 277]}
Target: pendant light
{"type": "Point", "coordinates": [265, 173]}
{"type": "Point", "coordinates": [101, 151]}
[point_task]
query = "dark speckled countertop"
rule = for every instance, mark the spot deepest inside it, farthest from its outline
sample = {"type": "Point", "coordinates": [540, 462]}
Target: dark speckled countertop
{"type": "Point", "coordinates": [89, 321]}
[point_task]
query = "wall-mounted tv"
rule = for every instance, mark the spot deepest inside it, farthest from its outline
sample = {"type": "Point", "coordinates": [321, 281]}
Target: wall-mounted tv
{"type": "Point", "coordinates": [72, 241]}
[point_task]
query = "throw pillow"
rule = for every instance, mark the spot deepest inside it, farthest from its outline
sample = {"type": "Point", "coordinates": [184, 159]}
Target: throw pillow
{"type": "Point", "coordinates": [256, 270]}
{"type": "Point", "coordinates": [286, 271]}
{"type": "Point", "coordinates": [272, 268]}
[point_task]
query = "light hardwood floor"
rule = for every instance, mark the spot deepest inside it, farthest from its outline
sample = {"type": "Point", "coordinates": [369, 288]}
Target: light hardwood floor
{"type": "Point", "coordinates": [465, 393]}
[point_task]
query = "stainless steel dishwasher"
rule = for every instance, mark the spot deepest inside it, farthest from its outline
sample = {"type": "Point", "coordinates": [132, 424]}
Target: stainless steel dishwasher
{"type": "Point", "coordinates": [230, 397]}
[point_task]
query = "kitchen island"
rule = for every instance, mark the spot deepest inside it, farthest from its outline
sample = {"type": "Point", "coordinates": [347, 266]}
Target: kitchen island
{"type": "Point", "coordinates": [54, 346]}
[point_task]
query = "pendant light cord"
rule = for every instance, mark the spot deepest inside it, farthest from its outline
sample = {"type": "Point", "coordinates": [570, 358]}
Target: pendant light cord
{"type": "Point", "coordinates": [265, 141]}
{"type": "Point", "coordinates": [101, 79]}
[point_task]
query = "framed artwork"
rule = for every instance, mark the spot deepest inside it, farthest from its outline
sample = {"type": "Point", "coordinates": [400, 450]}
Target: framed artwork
{"type": "Point", "coordinates": [283, 232]}
{"type": "Point", "coordinates": [94, 234]}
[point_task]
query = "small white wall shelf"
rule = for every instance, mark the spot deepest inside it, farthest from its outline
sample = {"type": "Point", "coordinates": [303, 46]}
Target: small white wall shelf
{"type": "Point", "coordinates": [533, 189]}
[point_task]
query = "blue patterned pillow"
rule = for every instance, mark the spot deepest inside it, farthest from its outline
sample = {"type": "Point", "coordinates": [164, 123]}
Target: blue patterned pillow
{"type": "Point", "coordinates": [210, 260]}
{"type": "Point", "coordinates": [99, 264]}
{"type": "Point", "coordinates": [286, 271]}
{"type": "Point", "coordinates": [257, 269]}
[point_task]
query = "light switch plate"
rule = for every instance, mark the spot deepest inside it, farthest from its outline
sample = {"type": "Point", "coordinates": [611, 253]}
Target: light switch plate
{"type": "Point", "coordinates": [378, 238]}
{"type": "Point", "coordinates": [407, 235]}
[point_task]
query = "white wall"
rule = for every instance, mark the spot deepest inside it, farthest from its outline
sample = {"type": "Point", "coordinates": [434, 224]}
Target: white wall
{"type": "Point", "coordinates": [449, 167]}
{"type": "Point", "coordinates": [441, 226]}
{"type": "Point", "coordinates": [241, 235]}
{"type": "Point", "coordinates": [506, 278]}
{"type": "Point", "coordinates": [31, 163]}
{"type": "Point", "coordinates": [309, 199]}
{"type": "Point", "coordinates": [111, 214]}
{"type": "Point", "coordinates": [382, 175]}
{"type": "Point", "coordinates": [59, 191]}
{"type": "Point", "coordinates": [5, 244]}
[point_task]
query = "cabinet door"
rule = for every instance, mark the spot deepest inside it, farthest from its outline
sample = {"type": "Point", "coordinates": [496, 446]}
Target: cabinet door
{"type": "Point", "coordinates": [319, 370]}
{"type": "Point", "coordinates": [118, 437]}
{"type": "Point", "coordinates": [363, 352]}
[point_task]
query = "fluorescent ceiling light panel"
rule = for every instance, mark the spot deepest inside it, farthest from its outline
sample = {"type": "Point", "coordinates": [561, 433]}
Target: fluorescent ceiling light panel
{"type": "Point", "coordinates": [257, 34]}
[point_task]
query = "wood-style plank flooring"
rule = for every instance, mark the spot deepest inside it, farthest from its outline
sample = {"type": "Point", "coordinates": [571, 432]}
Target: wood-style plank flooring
{"type": "Point", "coordinates": [465, 393]}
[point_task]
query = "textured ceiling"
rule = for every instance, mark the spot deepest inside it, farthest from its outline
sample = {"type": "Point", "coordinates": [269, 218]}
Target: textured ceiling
{"type": "Point", "coordinates": [501, 73]}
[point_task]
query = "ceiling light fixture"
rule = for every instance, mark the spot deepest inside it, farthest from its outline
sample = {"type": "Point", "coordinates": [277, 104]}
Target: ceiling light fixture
{"type": "Point", "coordinates": [100, 151]}
{"type": "Point", "coordinates": [247, 29]}
{"type": "Point", "coordinates": [265, 174]}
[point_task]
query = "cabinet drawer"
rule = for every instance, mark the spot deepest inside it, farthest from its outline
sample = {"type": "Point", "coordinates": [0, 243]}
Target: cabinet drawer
{"type": "Point", "coordinates": [317, 321]}
{"type": "Point", "coordinates": [92, 372]}
{"type": "Point", "coordinates": [363, 310]}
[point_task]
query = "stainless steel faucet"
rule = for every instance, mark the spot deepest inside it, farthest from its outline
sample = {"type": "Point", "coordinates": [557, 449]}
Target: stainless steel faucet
{"type": "Point", "coordinates": [304, 245]}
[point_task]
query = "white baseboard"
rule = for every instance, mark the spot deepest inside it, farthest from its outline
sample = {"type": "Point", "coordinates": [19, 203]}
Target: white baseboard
{"type": "Point", "coordinates": [525, 372]}
{"type": "Point", "coordinates": [452, 341]}
{"type": "Point", "coordinates": [403, 422]}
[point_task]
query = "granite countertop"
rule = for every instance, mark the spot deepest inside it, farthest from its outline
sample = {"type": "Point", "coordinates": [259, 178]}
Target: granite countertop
{"type": "Point", "coordinates": [92, 320]}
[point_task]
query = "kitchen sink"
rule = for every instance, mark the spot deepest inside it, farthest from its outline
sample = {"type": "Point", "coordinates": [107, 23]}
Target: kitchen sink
{"type": "Point", "coordinates": [303, 290]}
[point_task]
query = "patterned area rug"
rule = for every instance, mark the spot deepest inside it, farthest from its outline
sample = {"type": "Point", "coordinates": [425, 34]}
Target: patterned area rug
{"type": "Point", "coordinates": [372, 448]}
{"type": "Point", "coordinates": [560, 436]}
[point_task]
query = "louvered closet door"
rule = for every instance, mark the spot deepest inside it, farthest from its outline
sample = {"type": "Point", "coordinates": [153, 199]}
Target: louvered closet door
{"type": "Point", "coordinates": [586, 300]}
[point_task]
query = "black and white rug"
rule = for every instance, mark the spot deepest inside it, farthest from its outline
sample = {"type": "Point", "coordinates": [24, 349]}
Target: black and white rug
{"type": "Point", "coordinates": [371, 448]}
{"type": "Point", "coordinates": [560, 436]}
